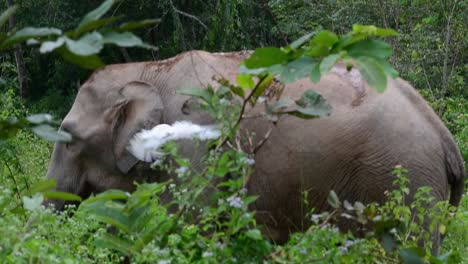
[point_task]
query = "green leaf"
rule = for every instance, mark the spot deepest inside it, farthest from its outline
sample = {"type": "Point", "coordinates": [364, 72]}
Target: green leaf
{"type": "Point", "coordinates": [280, 105]}
{"type": "Point", "coordinates": [315, 73]}
{"type": "Point", "coordinates": [108, 212]}
{"type": "Point", "coordinates": [48, 46]}
{"type": "Point", "coordinates": [328, 62]}
{"type": "Point", "coordinates": [297, 69]}
{"type": "Point", "coordinates": [40, 118]}
{"type": "Point", "coordinates": [371, 30]}
{"type": "Point", "coordinates": [325, 38]}
{"type": "Point", "coordinates": [42, 186]}
{"type": "Point", "coordinates": [7, 14]}
{"type": "Point", "coordinates": [51, 134]}
{"type": "Point", "coordinates": [94, 25]}
{"type": "Point", "coordinates": [388, 68]}
{"type": "Point", "coordinates": [62, 196]}
{"type": "Point", "coordinates": [110, 241]}
{"type": "Point", "coordinates": [311, 105]}
{"type": "Point", "coordinates": [372, 72]}
{"type": "Point", "coordinates": [95, 14]}
{"type": "Point", "coordinates": [28, 33]}
{"type": "Point", "coordinates": [411, 256]}
{"type": "Point", "coordinates": [33, 203]}
{"type": "Point", "coordinates": [263, 84]}
{"type": "Point", "coordinates": [89, 44]}
{"type": "Point", "coordinates": [333, 200]}
{"type": "Point", "coordinates": [245, 81]}
{"type": "Point", "coordinates": [88, 62]}
{"type": "Point", "coordinates": [254, 234]}
{"type": "Point", "coordinates": [201, 93]}
{"type": "Point", "coordinates": [138, 24]}
{"type": "Point", "coordinates": [265, 57]}
{"type": "Point", "coordinates": [298, 42]}
{"type": "Point", "coordinates": [108, 196]}
{"type": "Point", "coordinates": [371, 48]}
{"type": "Point", "coordinates": [124, 39]}
{"type": "Point", "coordinates": [255, 72]}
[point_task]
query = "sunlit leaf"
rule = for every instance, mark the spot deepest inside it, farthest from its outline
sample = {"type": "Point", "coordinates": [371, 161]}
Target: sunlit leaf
{"type": "Point", "coordinates": [95, 14]}
{"type": "Point", "coordinates": [371, 48]}
{"type": "Point", "coordinates": [372, 73]}
{"type": "Point", "coordinates": [201, 93]}
{"type": "Point", "coordinates": [42, 186]}
{"type": "Point", "coordinates": [33, 203]}
{"type": "Point", "coordinates": [245, 81]}
{"type": "Point", "coordinates": [29, 32]}
{"type": "Point", "coordinates": [107, 196]}
{"type": "Point", "coordinates": [254, 234]}
{"type": "Point", "coordinates": [51, 134]}
{"type": "Point", "coordinates": [89, 44]}
{"type": "Point", "coordinates": [325, 38]}
{"type": "Point", "coordinates": [92, 25]}
{"type": "Point", "coordinates": [265, 57]}
{"type": "Point", "coordinates": [48, 46]}
{"type": "Point", "coordinates": [40, 118]}
{"type": "Point", "coordinates": [124, 39]}
{"type": "Point", "coordinates": [298, 42]}
{"type": "Point", "coordinates": [333, 199]}
{"type": "Point", "coordinates": [62, 196]}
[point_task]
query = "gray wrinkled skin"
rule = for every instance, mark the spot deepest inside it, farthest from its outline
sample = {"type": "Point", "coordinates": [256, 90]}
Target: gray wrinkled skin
{"type": "Point", "coordinates": [353, 151]}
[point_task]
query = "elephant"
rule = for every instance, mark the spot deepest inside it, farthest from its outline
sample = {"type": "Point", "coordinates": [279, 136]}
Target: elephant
{"type": "Point", "coordinates": [352, 151]}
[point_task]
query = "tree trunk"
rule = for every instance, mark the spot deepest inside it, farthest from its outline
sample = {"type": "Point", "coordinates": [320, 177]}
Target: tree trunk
{"type": "Point", "coordinates": [21, 67]}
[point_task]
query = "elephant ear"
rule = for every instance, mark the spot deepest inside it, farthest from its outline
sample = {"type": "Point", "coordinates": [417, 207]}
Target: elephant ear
{"type": "Point", "coordinates": [140, 107]}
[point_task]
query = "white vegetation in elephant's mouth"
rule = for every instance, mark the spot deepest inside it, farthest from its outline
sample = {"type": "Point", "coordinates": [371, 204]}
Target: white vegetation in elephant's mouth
{"type": "Point", "coordinates": [145, 145]}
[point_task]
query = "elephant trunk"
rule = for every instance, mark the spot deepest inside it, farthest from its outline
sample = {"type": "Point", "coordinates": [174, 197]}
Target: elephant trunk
{"type": "Point", "coordinates": [66, 171]}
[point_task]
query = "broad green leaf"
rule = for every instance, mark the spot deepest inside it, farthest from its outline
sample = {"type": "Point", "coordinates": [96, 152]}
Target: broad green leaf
{"type": "Point", "coordinates": [62, 196]}
{"type": "Point", "coordinates": [201, 93]}
{"type": "Point", "coordinates": [333, 200]}
{"type": "Point", "coordinates": [371, 48]}
{"type": "Point", "coordinates": [297, 69]}
{"type": "Point", "coordinates": [386, 32]}
{"type": "Point", "coordinates": [107, 196]}
{"type": "Point", "coordinates": [48, 46]}
{"type": "Point", "coordinates": [29, 32]}
{"type": "Point", "coordinates": [95, 24]}
{"type": "Point", "coordinates": [245, 81]}
{"type": "Point", "coordinates": [311, 105]}
{"type": "Point", "coordinates": [108, 212]}
{"type": "Point", "coordinates": [51, 134]}
{"type": "Point", "coordinates": [124, 39]}
{"type": "Point", "coordinates": [328, 62]}
{"type": "Point", "coordinates": [111, 241]}
{"type": "Point", "coordinates": [7, 14]}
{"type": "Point", "coordinates": [325, 38]}
{"type": "Point", "coordinates": [388, 68]}
{"type": "Point", "coordinates": [95, 14]}
{"type": "Point", "coordinates": [89, 44]}
{"type": "Point", "coordinates": [298, 42]}
{"type": "Point", "coordinates": [137, 24]}
{"type": "Point", "coordinates": [265, 57]}
{"type": "Point", "coordinates": [33, 203]}
{"type": "Point", "coordinates": [315, 73]}
{"type": "Point", "coordinates": [42, 186]}
{"type": "Point", "coordinates": [254, 234]}
{"type": "Point", "coordinates": [372, 73]}
{"type": "Point", "coordinates": [411, 256]}
{"type": "Point", "coordinates": [88, 62]}
{"type": "Point", "coordinates": [317, 50]}
{"type": "Point", "coordinates": [40, 118]}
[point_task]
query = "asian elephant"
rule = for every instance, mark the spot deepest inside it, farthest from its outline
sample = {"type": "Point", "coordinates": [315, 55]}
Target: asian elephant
{"type": "Point", "coordinates": [353, 151]}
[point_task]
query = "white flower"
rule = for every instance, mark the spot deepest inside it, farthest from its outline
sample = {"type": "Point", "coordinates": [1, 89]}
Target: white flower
{"type": "Point", "coordinates": [164, 262]}
{"type": "Point", "coordinates": [247, 161]}
{"type": "Point", "coordinates": [235, 201]}
{"type": "Point", "coordinates": [207, 254]}
{"type": "Point", "coordinates": [181, 170]}
{"type": "Point", "coordinates": [145, 144]}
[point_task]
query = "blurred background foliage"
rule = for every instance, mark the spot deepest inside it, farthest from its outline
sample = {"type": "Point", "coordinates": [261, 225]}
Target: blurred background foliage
{"type": "Point", "coordinates": [429, 51]}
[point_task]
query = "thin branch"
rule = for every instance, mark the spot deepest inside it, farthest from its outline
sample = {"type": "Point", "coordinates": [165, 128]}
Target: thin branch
{"type": "Point", "coordinates": [188, 15]}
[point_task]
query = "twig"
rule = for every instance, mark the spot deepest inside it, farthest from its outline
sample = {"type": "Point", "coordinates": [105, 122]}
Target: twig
{"type": "Point", "coordinates": [187, 15]}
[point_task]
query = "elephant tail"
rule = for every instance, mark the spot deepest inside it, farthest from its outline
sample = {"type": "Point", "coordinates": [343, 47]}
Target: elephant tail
{"type": "Point", "coordinates": [455, 172]}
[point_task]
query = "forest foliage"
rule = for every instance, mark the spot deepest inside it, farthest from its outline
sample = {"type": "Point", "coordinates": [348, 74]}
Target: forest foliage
{"type": "Point", "coordinates": [428, 51]}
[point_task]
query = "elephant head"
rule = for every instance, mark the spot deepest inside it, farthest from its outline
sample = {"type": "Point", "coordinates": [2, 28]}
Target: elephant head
{"type": "Point", "coordinates": [101, 125]}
